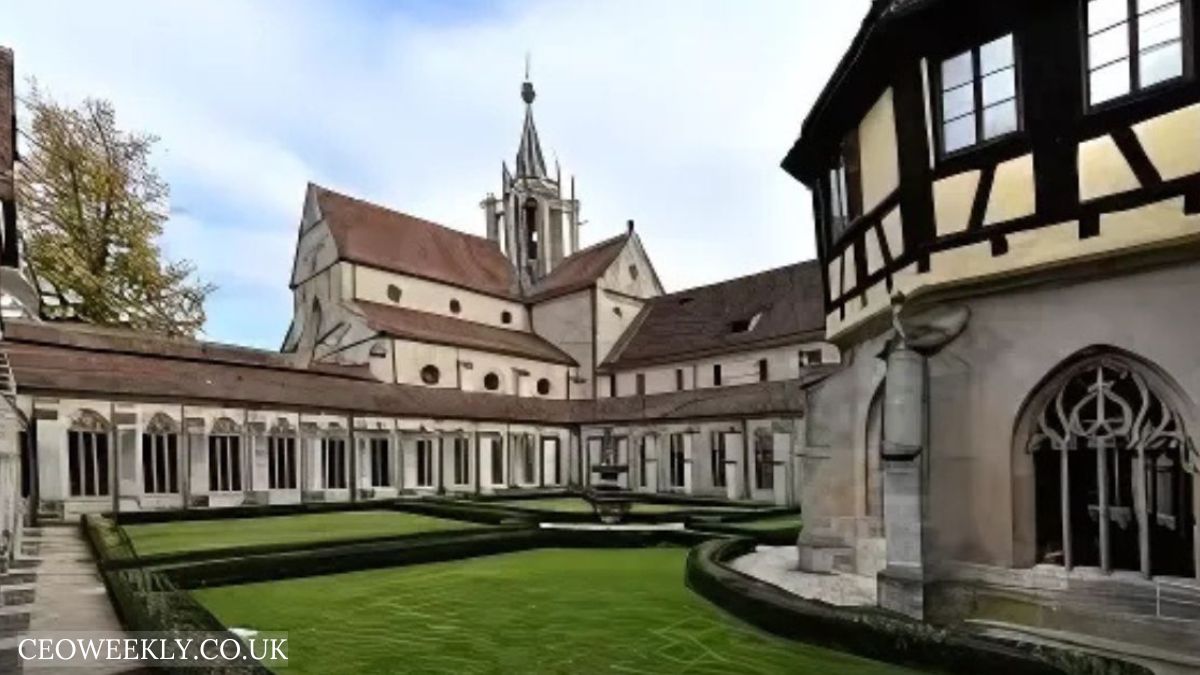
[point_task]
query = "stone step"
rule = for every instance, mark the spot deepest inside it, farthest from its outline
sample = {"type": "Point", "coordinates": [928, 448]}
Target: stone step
{"type": "Point", "coordinates": [1161, 660]}
{"type": "Point", "coordinates": [17, 594]}
{"type": "Point", "coordinates": [25, 562]}
{"type": "Point", "coordinates": [13, 620]}
{"type": "Point", "coordinates": [19, 576]}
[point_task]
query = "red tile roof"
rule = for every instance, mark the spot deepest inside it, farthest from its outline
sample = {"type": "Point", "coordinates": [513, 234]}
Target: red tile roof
{"type": "Point", "coordinates": [788, 301]}
{"type": "Point", "coordinates": [411, 324]}
{"type": "Point", "coordinates": [372, 235]}
{"type": "Point", "coordinates": [580, 270]}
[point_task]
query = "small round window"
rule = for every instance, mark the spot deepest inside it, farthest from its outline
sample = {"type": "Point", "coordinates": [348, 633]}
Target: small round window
{"type": "Point", "coordinates": [491, 382]}
{"type": "Point", "coordinates": [455, 306]}
{"type": "Point", "coordinates": [543, 386]}
{"type": "Point", "coordinates": [393, 292]}
{"type": "Point", "coordinates": [430, 374]}
{"type": "Point", "coordinates": [506, 317]}
{"type": "Point", "coordinates": [633, 272]}
{"type": "Point", "coordinates": [618, 312]}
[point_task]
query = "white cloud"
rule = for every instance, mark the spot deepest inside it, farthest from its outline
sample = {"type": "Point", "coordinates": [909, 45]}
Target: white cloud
{"type": "Point", "coordinates": [674, 114]}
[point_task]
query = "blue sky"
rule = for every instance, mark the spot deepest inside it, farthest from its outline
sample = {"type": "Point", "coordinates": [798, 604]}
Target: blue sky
{"type": "Point", "coordinates": [673, 113]}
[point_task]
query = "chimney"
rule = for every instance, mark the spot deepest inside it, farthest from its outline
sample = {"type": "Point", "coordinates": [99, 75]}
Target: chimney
{"type": "Point", "coordinates": [629, 226]}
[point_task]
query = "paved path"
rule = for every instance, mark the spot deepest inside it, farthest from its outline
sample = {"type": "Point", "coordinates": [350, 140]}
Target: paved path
{"type": "Point", "coordinates": [779, 566]}
{"type": "Point", "coordinates": [69, 596]}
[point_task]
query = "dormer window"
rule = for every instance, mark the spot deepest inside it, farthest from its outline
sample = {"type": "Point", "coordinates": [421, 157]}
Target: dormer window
{"type": "Point", "coordinates": [845, 187]}
{"type": "Point", "coordinates": [978, 100]}
{"type": "Point", "coordinates": [744, 325]}
{"type": "Point", "coordinates": [1132, 45]}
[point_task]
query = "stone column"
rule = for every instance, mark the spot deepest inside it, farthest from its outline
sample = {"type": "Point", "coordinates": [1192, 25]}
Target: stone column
{"type": "Point", "coordinates": [901, 583]}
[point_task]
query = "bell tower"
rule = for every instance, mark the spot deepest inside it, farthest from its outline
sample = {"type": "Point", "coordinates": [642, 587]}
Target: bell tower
{"type": "Point", "coordinates": [532, 221]}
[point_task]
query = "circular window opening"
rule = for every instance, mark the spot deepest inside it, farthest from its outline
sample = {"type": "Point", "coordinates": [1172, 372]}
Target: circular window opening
{"type": "Point", "coordinates": [455, 306]}
{"type": "Point", "coordinates": [393, 292]}
{"type": "Point", "coordinates": [543, 386]}
{"type": "Point", "coordinates": [618, 312]}
{"type": "Point", "coordinates": [633, 272]}
{"type": "Point", "coordinates": [506, 317]}
{"type": "Point", "coordinates": [430, 374]}
{"type": "Point", "coordinates": [491, 382]}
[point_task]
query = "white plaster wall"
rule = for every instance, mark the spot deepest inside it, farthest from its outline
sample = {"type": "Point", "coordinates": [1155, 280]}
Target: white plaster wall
{"type": "Point", "coordinates": [566, 322]}
{"type": "Point", "coordinates": [783, 363]}
{"type": "Point", "coordinates": [614, 314]}
{"type": "Point", "coordinates": [410, 357]}
{"type": "Point", "coordinates": [483, 363]}
{"type": "Point", "coordinates": [371, 285]}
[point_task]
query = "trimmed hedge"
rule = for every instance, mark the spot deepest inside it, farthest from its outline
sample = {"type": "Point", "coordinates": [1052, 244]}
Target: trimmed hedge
{"type": "Point", "coordinates": [146, 600]}
{"type": "Point", "coordinates": [457, 510]}
{"type": "Point", "coordinates": [160, 559]}
{"type": "Point", "coordinates": [783, 536]}
{"type": "Point", "coordinates": [872, 632]}
{"type": "Point", "coordinates": [246, 511]}
{"type": "Point", "coordinates": [436, 547]}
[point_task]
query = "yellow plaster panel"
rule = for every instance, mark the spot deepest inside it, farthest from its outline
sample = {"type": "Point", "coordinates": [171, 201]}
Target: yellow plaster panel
{"type": "Point", "coordinates": [1103, 170]}
{"type": "Point", "coordinates": [880, 158]}
{"type": "Point", "coordinates": [953, 198]}
{"type": "Point", "coordinates": [1152, 226]}
{"type": "Point", "coordinates": [835, 278]}
{"type": "Point", "coordinates": [1172, 141]}
{"type": "Point", "coordinates": [893, 230]}
{"type": "Point", "coordinates": [874, 252]}
{"type": "Point", "coordinates": [1013, 191]}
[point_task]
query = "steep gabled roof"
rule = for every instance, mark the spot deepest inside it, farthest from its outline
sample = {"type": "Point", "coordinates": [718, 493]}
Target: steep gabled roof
{"type": "Point", "coordinates": [771, 308]}
{"type": "Point", "coordinates": [412, 324]}
{"type": "Point", "coordinates": [580, 270]}
{"type": "Point", "coordinates": [372, 235]}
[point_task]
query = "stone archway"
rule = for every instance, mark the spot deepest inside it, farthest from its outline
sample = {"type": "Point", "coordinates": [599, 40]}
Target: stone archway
{"type": "Point", "coordinates": [1114, 469]}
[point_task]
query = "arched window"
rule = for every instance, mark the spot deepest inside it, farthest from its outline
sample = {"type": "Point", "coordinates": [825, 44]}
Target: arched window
{"type": "Point", "coordinates": [281, 456]}
{"type": "Point", "coordinates": [1114, 470]}
{"type": "Point", "coordinates": [87, 455]}
{"type": "Point", "coordinates": [491, 381]}
{"type": "Point", "coordinates": [160, 455]}
{"type": "Point", "coordinates": [224, 456]}
{"type": "Point", "coordinates": [531, 228]}
{"type": "Point", "coordinates": [430, 374]}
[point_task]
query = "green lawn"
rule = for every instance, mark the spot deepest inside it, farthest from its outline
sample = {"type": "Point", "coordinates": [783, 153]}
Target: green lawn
{"type": "Point", "coordinates": [197, 535]}
{"type": "Point", "coordinates": [774, 523]}
{"type": "Point", "coordinates": [546, 611]}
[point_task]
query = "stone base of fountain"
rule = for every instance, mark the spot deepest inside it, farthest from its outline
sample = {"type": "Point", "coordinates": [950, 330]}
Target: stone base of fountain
{"type": "Point", "coordinates": [608, 499]}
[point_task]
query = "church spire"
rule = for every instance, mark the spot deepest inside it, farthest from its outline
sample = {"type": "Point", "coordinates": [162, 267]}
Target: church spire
{"type": "Point", "coordinates": [530, 162]}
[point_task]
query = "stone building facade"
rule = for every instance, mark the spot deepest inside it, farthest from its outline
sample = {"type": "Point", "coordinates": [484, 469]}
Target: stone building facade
{"type": "Point", "coordinates": [1008, 204]}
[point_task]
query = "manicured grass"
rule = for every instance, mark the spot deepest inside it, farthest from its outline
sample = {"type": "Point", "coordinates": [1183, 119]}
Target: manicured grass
{"type": "Point", "coordinates": [546, 611]}
{"type": "Point", "coordinates": [774, 523]}
{"type": "Point", "coordinates": [197, 535]}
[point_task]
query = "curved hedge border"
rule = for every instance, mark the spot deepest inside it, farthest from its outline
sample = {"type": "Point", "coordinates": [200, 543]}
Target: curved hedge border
{"type": "Point", "coordinates": [871, 632]}
{"type": "Point", "coordinates": [781, 536]}
{"type": "Point", "coordinates": [246, 511]}
{"type": "Point", "coordinates": [146, 600]}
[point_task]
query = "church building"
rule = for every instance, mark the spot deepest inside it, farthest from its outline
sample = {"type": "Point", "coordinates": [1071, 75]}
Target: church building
{"type": "Point", "coordinates": [425, 360]}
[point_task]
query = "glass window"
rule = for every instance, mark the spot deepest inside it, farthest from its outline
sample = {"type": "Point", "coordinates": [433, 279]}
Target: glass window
{"type": "Point", "coordinates": [845, 187]}
{"type": "Point", "coordinates": [979, 95]}
{"type": "Point", "coordinates": [1132, 44]}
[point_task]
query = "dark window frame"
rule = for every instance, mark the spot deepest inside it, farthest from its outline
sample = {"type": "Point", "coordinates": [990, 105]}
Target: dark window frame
{"type": "Point", "coordinates": [1137, 93]}
{"type": "Point", "coordinates": [160, 463]}
{"type": "Point", "coordinates": [936, 105]}
{"type": "Point", "coordinates": [716, 373]}
{"type": "Point", "coordinates": [717, 458]}
{"type": "Point", "coordinates": [640, 382]}
{"type": "Point", "coordinates": [379, 450]}
{"type": "Point", "coordinates": [846, 159]}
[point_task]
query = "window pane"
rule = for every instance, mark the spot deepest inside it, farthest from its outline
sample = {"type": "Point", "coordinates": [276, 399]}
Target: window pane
{"type": "Point", "coordinates": [1160, 64]}
{"type": "Point", "coordinates": [959, 134]}
{"type": "Point", "coordinates": [999, 86]}
{"type": "Point", "coordinates": [1110, 82]}
{"type": "Point", "coordinates": [1105, 13]}
{"type": "Point", "coordinates": [956, 71]}
{"type": "Point", "coordinates": [1109, 46]}
{"type": "Point", "coordinates": [1159, 26]}
{"type": "Point", "coordinates": [1000, 119]}
{"type": "Point", "coordinates": [996, 55]}
{"type": "Point", "coordinates": [958, 102]}
{"type": "Point", "coordinates": [1147, 5]}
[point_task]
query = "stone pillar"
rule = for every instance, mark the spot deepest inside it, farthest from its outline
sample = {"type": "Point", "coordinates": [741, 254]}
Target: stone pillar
{"type": "Point", "coordinates": [901, 584]}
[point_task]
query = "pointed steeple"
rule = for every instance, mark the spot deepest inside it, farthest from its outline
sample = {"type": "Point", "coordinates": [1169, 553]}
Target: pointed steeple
{"type": "Point", "coordinates": [530, 162]}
